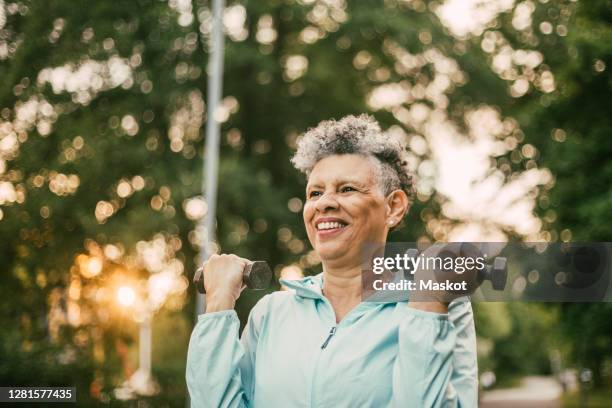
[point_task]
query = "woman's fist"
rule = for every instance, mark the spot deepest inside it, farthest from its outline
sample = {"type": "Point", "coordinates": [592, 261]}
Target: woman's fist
{"type": "Point", "coordinates": [223, 281]}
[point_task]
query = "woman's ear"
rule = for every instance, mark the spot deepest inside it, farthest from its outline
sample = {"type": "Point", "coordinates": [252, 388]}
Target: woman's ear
{"type": "Point", "coordinates": [397, 207]}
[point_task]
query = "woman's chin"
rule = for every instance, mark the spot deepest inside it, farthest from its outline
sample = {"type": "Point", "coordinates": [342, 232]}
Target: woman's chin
{"type": "Point", "coordinates": [329, 252]}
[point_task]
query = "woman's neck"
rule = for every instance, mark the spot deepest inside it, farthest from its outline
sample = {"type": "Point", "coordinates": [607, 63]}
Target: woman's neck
{"type": "Point", "coordinates": [343, 289]}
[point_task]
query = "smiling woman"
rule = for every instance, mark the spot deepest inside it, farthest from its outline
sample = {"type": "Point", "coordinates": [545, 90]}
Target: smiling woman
{"type": "Point", "coordinates": [320, 345]}
{"type": "Point", "coordinates": [341, 208]}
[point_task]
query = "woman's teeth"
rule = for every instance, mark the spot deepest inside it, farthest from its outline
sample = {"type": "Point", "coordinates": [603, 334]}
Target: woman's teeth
{"type": "Point", "coordinates": [329, 225]}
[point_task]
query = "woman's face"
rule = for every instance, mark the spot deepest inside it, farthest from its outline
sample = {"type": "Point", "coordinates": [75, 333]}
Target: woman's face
{"type": "Point", "coordinates": [345, 208]}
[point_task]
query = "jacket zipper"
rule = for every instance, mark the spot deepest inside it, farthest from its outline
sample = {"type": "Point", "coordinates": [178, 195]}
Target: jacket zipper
{"type": "Point", "coordinates": [313, 385]}
{"type": "Point", "coordinates": [331, 334]}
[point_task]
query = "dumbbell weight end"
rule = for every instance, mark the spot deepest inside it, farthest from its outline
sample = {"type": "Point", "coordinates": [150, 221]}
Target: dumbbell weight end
{"type": "Point", "coordinates": [256, 275]}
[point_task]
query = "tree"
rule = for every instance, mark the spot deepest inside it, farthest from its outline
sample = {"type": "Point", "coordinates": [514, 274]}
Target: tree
{"type": "Point", "coordinates": [571, 128]}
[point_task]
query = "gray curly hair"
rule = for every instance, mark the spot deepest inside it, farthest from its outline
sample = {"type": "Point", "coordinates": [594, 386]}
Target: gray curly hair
{"type": "Point", "coordinates": [356, 135]}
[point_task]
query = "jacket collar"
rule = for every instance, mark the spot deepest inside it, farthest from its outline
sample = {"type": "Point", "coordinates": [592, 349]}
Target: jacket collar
{"type": "Point", "coordinates": [308, 287]}
{"type": "Point", "coordinates": [312, 287]}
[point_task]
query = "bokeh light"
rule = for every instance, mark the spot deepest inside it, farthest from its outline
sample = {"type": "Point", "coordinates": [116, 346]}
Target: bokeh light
{"type": "Point", "coordinates": [126, 296]}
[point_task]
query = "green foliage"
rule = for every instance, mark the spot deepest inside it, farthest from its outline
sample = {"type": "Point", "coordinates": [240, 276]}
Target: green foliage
{"type": "Point", "coordinates": [595, 399]}
{"type": "Point", "coordinates": [36, 363]}
{"type": "Point", "coordinates": [527, 349]}
{"type": "Point", "coordinates": [493, 320]}
{"type": "Point", "coordinates": [588, 327]}
{"type": "Point", "coordinates": [572, 129]}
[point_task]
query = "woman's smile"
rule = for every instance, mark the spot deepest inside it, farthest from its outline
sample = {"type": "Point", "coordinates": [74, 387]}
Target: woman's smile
{"type": "Point", "coordinates": [328, 227]}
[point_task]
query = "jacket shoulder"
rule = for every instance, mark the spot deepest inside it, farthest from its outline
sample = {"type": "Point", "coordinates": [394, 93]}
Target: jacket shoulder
{"type": "Point", "coordinates": [272, 301]}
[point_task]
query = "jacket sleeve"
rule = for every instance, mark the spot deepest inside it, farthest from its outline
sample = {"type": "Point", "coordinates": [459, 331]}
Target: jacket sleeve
{"type": "Point", "coordinates": [220, 367]}
{"type": "Point", "coordinates": [464, 380]}
{"type": "Point", "coordinates": [436, 361]}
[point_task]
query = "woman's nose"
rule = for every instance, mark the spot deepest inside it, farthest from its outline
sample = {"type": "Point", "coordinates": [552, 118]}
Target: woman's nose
{"type": "Point", "coordinates": [327, 202]}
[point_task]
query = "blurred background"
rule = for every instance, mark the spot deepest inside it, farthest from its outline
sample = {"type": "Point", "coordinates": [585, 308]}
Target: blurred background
{"type": "Point", "coordinates": [504, 105]}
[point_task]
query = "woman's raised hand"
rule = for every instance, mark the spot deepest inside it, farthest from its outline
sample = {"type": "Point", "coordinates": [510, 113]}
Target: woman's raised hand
{"type": "Point", "coordinates": [223, 278]}
{"type": "Point", "coordinates": [429, 300]}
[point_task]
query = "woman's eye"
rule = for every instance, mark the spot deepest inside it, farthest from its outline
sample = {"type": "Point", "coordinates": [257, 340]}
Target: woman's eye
{"type": "Point", "coordinates": [347, 189]}
{"type": "Point", "coordinates": [314, 194]}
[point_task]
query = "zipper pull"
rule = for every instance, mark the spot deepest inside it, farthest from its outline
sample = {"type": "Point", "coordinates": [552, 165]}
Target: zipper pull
{"type": "Point", "coordinates": [331, 334]}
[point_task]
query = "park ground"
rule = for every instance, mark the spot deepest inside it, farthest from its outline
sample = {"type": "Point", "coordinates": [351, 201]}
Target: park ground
{"type": "Point", "coordinates": [542, 392]}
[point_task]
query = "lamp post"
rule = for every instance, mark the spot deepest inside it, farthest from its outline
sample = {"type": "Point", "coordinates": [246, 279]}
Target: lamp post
{"type": "Point", "coordinates": [211, 164]}
{"type": "Point", "coordinates": [142, 381]}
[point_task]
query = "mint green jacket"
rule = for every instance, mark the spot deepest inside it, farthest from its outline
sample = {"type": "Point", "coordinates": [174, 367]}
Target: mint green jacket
{"type": "Point", "coordinates": [292, 353]}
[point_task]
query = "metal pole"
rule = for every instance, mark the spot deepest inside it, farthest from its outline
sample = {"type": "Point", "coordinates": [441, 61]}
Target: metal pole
{"type": "Point", "coordinates": [211, 165]}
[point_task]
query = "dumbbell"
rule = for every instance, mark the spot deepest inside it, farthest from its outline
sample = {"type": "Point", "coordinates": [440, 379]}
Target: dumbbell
{"type": "Point", "coordinates": [496, 272]}
{"type": "Point", "coordinates": [256, 275]}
